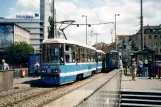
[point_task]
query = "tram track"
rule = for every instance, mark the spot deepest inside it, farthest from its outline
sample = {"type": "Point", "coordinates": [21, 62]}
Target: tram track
{"type": "Point", "coordinates": [42, 96]}
{"type": "Point", "coordinates": [13, 91]}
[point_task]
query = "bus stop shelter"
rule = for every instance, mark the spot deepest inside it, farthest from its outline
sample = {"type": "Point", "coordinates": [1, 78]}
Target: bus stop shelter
{"type": "Point", "coordinates": [144, 54]}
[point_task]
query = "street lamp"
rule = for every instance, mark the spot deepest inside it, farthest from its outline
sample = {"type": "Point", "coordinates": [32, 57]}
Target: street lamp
{"type": "Point", "coordinates": [86, 26]}
{"type": "Point", "coordinates": [115, 31]}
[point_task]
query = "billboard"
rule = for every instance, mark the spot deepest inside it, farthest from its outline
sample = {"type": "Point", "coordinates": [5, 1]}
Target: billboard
{"type": "Point", "coordinates": [6, 35]}
{"type": "Point", "coordinates": [36, 15]}
{"type": "Point", "coordinates": [32, 60]}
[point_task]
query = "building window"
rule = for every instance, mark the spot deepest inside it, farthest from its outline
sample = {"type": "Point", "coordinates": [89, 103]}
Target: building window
{"type": "Point", "coordinates": [149, 36]}
{"type": "Point", "coordinates": [156, 43]}
{"type": "Point", "coordinates": [147, 31]}
{"type": "Point", "coordinates": [160, 36]}
{"type": "Point", "coordinates": [160, 49]}
{"type": "Point", "coordinates": [156, 36]}
{"type": "Point", "coordinates": [156, 50]}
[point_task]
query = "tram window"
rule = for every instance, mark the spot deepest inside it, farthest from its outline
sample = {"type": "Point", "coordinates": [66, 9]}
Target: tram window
{"type": "Point", "coordinates": [67, 47]}
{"type": "Point", "coordinates": [99, 57]}
{"type": "Point", "coordinates": [93, 56]}
{"type": "Point", "coordinates": [70, 54]}
{"type": "Point", "coordinates": [89, 55]}
{"type": "Point", "coordinates": [77, 54]}
{"type": "Point", "coordinates": [96, 56]}
{"type": "Point", "coordinates": [85, 55]}
{"type": "Point", "coordinates": [81, 54]}
{"type": "Point", "coordinates": [73, 53]}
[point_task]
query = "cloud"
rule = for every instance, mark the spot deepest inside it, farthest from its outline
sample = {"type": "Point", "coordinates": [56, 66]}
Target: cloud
{"type": "Point", "coordinates": [129, 11]}
{"type": "Point", "coordinates": [24, 7]}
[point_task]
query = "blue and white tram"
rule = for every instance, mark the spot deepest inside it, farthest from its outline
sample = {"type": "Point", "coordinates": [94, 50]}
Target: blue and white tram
{"type": "Point", "coordinates": [65, 61]}
{"type": "Point", "coordinates": [100, 56]}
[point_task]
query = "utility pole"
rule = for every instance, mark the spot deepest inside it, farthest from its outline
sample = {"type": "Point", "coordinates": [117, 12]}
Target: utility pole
{"type": "Point", "coordinates": [115, 34]}
{"type": "Point", "coordinates": [96, 36]}
{"type": "Point", "coordinates": [86, 29]}
{"type": "Point", "coordinates": [53, 19]}
{"type": "Point", "coordinates": [141, 27]}
{"type": "Point", "coordinates": [115, 31]}
{"type": "Point", "coordinates": [86, 26]}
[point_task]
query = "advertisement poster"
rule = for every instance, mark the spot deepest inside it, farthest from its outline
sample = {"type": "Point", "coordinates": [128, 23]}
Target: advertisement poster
{"type": "Point", "coordinates": [32, 60]}
{"type": "Point", "coordinates": [6, 35]}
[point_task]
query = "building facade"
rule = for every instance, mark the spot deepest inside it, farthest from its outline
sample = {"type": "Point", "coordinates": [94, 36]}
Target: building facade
{"type": "Point", "coordinates": [10, 33]}
{"type": "Point", "coordinates": [124, 46]}
{"type": "Point", "coordinates": [152, 39]}
{"type": "Point", "coordinates": [35, 26]}
{"type": "Point", "coordinates": [21, 34]}
{"type": "Point", "coordinates": [46, 11]}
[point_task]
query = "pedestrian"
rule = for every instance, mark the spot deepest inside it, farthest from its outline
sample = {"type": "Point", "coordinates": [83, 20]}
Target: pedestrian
{"type": "Point", "coordinates": [145, 68]}
{"type": "Point", "coordinates": [120, 64]}
{"type": "Point", "coordinates": [133, 69]}
{"type": "Point", "coordinates": [126, 66]}
{"type": "Point", "coordinates": [140, 67]}
{"type": "Point", "coordinates": [150, 68]}
{"type": "Point", "coordinates": [36, 68]}
{"type": "Point", "coordinates": [4, 65]}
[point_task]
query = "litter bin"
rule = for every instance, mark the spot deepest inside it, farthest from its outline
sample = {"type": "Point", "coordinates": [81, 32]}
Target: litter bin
{"type": "Point", "coordinates": [22, 73]}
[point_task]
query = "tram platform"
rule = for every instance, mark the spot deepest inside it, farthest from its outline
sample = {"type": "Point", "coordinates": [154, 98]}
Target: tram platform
{"type": "Point", "coordinates": [141, 83]}
{"type": "Point", "coordinates": [77, 97]}
{"type": "Point", "coordinates": [142, 92]}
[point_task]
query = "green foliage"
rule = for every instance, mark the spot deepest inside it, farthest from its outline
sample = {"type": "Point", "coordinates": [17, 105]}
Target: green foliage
{"type": "Point", "coordinates": [18, 53]}
{"type": "Point", "coordinates": [51, 28]}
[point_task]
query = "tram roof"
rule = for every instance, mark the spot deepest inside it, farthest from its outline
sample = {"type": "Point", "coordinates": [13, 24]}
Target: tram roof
{"type": "Point", "coordinates": [53, 40]}
{"type": "Point", "coordinates": [113, 51]}
{"type": "Point", "coordinates": [100, 51]}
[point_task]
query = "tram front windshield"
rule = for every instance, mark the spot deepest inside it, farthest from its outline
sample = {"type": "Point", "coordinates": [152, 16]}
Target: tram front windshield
{"type": "Point", "coordinates": [52, 53]}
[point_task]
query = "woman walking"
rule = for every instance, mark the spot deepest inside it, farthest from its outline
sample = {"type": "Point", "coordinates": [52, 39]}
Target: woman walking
{"type": "Point", "coordinates": [146, 68]}
{"type": "Point", "coordinates": [133, 69]}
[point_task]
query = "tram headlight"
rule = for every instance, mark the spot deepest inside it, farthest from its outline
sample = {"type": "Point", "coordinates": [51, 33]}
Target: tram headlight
{"type": "Point", "coordinates": [42, 71]}
{"type": "Point", "coordinates": [58, 70]}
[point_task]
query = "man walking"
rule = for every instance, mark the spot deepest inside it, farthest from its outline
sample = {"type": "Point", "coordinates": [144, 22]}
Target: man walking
{"type": "Point", "coordinates": [126, 66]}
{"type": "Point", "coordinates": [36, 68]}
{"type": "Point", "coordinates": [4, 65]}
{"type": "Point", "coordinates": [120, 64]}
{"type": "Point", "coordinates": [150, 68]}
{"type": "Point", "coordinates": [133, 69]}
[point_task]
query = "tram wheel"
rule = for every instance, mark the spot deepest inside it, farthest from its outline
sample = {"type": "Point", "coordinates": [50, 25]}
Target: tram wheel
{"type": "Point", "coordinates": [79, 76]}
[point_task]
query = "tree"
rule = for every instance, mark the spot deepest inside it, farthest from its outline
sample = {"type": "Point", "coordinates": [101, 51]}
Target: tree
{"type": "Point", "coordinates": [18, 53]}
{"type": "Point", "coordinates": [51, 28]}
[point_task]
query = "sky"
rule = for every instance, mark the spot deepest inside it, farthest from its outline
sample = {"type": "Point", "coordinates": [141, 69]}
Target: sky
{"type": "Point", "coordinates": [97, 11]}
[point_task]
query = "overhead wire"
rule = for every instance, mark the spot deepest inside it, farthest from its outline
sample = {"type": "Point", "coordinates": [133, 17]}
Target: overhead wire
{"type": "Point", "coordinates": [94, 7]}
{"type": "Point", "coordinates": [93, 10]}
